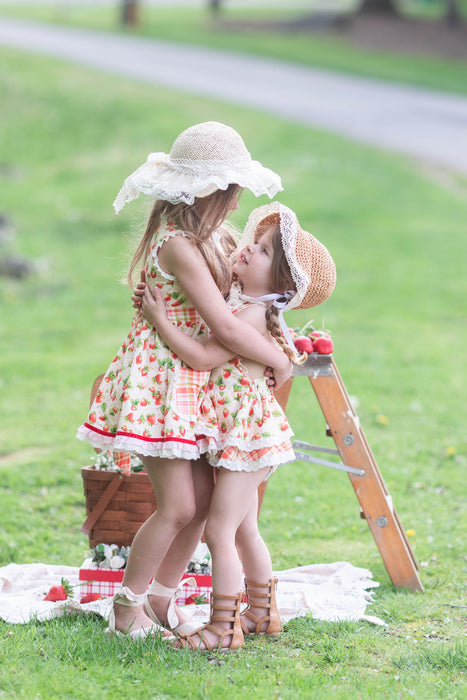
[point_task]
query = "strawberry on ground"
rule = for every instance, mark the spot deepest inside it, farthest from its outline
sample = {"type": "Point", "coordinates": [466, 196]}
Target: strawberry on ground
{"type": "Point", "coordinates": [61, 592]}
{"type": "Point", "coordinates": [90, 598]}
{"type": "Point", "coordinates": [196, 599]}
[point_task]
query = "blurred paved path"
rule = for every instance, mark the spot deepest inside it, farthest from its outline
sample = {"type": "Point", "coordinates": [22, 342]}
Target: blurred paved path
{"type": "Point", "coordinates": [431, 126]}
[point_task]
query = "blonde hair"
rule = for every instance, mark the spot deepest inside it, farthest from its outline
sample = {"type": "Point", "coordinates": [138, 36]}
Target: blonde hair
{"type": "Point", "coordinates": [198, 221]}
{"type": "Point", "coordinates": [282, 281]}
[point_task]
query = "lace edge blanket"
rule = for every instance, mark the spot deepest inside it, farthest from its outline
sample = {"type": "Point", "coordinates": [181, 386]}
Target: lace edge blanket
{"type": "Point", "coordinates": [333, 592]}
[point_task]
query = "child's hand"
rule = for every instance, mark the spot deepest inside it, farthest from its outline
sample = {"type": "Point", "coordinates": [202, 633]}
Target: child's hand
{"type": "Point", "coordinates": [282, 374]}
{"type": "Point", "coordinates": [268, 374]}
{"type": "Point", "coordinates": [139, 291]}
{"type": "Point", "coordinates": [153, 307]}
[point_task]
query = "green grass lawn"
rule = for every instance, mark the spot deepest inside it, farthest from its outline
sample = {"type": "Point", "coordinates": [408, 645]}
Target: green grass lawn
{"type": "Point", "coordinates": [324, 50]}
{"type": "Point", "coordinates": [397, 232]}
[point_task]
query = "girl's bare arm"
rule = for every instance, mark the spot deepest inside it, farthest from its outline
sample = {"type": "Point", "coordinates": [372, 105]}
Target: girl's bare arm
{"type": "Point", "coordinates": [180, 257]}
{"type": "Point", "coordinates": [195, 354]}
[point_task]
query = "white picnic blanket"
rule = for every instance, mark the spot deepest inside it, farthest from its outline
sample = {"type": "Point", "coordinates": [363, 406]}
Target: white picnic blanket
{"type": "Point", "coordinates": [333, 592]}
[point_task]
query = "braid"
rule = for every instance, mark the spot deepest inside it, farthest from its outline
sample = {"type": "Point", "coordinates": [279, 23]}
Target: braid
{"type": "Point", "coordinates": [274, 327]}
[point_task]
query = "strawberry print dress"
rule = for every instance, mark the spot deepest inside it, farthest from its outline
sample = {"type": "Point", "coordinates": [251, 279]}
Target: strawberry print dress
{"type": "Point", "coordinates": [148, 399]}
{"type": "Point", "coordinates": [244, 427]}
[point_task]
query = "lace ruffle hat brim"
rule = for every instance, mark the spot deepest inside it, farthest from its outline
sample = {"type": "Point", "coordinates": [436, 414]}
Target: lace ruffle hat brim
{"type": "Point", "coordinates": [203, 159]}
{"type": "Point", "coordinates": [311, 265]}
{"type": "Point", "coordinates": [162, 178]}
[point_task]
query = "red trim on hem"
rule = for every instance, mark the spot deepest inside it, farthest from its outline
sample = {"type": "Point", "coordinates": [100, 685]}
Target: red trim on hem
{"type": "Point", "coordinates": [121, 433]}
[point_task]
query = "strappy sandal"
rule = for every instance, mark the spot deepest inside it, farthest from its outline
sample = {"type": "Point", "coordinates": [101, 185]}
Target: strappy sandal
{"type": "Point", "coordinates": [221, 611]}
{"type": "Point", "coordinates": [261, 595]}
{"type": "Point", "coordinates": [172, 623]}
{"type": "Point", "coordinates": [125, 596]}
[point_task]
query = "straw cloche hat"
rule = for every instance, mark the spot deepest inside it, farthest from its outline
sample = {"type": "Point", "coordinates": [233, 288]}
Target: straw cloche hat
{"type": "Point", "coordinates": [311, 265]}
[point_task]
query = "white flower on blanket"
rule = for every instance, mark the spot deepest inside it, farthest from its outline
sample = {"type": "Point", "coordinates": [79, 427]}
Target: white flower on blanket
{"type": "Point", "coordinates": [110, 556]}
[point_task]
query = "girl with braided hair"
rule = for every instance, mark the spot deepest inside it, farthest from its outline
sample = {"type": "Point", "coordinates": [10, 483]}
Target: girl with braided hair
{"type": "Point", "coordinates": [240, 426]}
{"type": "Point", "coordinates": [146, 402]}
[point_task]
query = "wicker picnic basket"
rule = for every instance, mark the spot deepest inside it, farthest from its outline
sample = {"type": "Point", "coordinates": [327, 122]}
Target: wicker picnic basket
{"type": "Point", "coordinates": [116, 505]}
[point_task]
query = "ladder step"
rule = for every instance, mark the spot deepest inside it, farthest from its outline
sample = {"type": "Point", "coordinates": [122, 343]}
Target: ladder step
{"type": "Point", "coordinates": [335, 465]}
{"type": "Point", "coordinates": [343, 426]}
{"type": "Point", "coordinates": [315, 448]}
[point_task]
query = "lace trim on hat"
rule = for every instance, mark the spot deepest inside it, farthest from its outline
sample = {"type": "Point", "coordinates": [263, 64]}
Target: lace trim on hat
{"type": "Point", "coordinates": [290, 229]}
{"type": "Point", "coordinates": [183, 180]}
{"type": "Point", "coordinates": [289, 232]}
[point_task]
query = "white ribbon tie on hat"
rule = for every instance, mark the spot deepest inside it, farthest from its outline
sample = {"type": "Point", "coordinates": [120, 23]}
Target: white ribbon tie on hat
{"type": "Point", "coordinates": [280, 301]}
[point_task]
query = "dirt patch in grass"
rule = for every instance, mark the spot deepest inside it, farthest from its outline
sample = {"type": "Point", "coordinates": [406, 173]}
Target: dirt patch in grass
{"type": "Point", "coordinates": [411, 36]}
{"type": "Point", "coordinates": [29, 454]}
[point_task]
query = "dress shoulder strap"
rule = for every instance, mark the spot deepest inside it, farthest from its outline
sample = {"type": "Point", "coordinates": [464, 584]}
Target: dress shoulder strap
{"type": "Point", "coordinates": [165, 231]}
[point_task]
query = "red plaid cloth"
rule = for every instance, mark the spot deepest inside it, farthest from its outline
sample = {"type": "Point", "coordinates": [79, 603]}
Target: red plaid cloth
{"type": "Point", "coordinates": [106, 582]}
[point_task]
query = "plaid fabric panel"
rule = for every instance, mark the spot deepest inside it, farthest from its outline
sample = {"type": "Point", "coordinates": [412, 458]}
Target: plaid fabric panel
{"type": "Point", "coordinates": [235, 454]}
{"type": "Point", "coordinates": [189, 384]}
{"type": "Point", "coordinates": [183, 314]}
{"type": "Point", "coordinates": [123, 461]}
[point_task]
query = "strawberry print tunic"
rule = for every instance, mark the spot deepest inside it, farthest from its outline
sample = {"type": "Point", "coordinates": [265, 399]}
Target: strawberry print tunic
{"type": "Point", "coordinates": [148, 399]}
{"type": "Point", "coordinates": [243, 425]}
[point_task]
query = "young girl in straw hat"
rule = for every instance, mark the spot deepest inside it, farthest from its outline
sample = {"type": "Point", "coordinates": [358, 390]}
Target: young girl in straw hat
{"type": "Point", "coordinates": [146, 402]}
{"type": "Point", "coordinates": [245, 432]}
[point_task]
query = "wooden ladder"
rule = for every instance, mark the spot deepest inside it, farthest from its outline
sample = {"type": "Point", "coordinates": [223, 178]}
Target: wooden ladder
{"type": "Point", "coordinates": [344, 427]}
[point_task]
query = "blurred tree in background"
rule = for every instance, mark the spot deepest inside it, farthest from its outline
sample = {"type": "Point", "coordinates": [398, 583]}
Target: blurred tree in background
{"type": "Point", "coordinates": [452, 11]}
{"type": "Point", "coordinates": [382, 6]}
{"type": "Point", "coordinates": [130, 12]}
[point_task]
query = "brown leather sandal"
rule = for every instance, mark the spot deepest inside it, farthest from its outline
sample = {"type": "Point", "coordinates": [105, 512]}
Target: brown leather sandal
{"type": "Point", "coordinates": [221, 611]}
{"type": "Point", "coordinates": [262, 595]}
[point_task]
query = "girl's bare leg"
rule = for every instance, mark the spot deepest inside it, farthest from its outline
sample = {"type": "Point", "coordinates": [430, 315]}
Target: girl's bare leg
{"type": "Point", "coordinates": [252, 549]}
{"type": "Point", "coordinates": [235, 493]}
{"type": "Point", "coordinates": [173, 484]}
{"type": "Point", "coordinates": [175, 562]}
{"type": "Point", "coordinates": [256, 561]}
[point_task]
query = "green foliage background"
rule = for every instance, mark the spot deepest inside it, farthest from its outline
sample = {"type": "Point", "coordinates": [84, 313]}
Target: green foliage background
{"type": "Point", "coordinates": [397, 232]}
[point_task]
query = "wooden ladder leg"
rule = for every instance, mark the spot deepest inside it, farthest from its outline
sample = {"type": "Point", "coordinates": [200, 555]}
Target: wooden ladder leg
{"type": "Point", "coordinates": [371, 491]}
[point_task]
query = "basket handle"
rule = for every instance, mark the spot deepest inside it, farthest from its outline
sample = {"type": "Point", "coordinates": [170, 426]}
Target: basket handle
{"type": "Point", "coordinates": [101, 504]}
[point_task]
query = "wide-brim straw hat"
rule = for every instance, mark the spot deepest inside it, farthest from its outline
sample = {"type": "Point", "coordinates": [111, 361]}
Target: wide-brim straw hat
{"type": "Point", "coordinates": [311, 265]}
{"type": "Point", "coordinates": [204, 158]}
